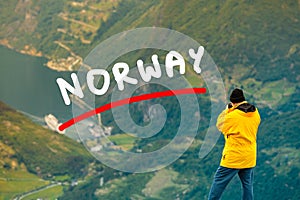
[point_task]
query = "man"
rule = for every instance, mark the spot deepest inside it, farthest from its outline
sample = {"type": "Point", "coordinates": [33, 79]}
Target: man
{"type": "Point", "coordinates": [238, 123]}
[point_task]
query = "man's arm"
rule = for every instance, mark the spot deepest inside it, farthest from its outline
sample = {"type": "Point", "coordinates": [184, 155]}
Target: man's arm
{"type": "Point", "coordinates": [224, 121]}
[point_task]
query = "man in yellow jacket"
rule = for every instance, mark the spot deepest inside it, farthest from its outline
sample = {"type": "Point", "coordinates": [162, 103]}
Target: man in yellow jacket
{"type": "Point", "coordinates": [239, 124]}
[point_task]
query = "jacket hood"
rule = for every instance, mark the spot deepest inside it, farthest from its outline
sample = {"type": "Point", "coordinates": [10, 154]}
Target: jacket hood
{"type": "Point", "coordinates": [246, 107]}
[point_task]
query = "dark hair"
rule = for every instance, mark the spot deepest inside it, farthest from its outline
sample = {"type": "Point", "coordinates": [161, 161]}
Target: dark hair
{"type": "Point", "coordinates": [237, 96]}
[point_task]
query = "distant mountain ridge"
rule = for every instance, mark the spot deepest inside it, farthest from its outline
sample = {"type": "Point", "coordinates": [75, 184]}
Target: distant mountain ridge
{"type": "Point", "coordinates": [254, 43]}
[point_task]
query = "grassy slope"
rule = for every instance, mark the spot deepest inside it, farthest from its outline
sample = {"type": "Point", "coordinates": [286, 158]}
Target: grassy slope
{"type": "Point", "coordinates": [51, 193]}
{"type": "Point", "coordinates": [125, 141]}
{"type": "Point", "coordinates": [30, 153]}
{"type": "Point", "coordinates": [17, 181]}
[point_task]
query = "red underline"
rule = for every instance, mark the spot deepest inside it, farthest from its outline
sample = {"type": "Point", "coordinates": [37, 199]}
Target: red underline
{"type": "Point", "coordinates": [130, 100]}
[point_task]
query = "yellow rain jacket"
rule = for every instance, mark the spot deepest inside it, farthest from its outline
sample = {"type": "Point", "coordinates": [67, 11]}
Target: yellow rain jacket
{"type": "Point", "coordinates": [239, 126]}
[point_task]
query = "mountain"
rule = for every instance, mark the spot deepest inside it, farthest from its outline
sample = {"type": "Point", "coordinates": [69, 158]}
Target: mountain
{"type": "Point", "coordinates": [255, 45]}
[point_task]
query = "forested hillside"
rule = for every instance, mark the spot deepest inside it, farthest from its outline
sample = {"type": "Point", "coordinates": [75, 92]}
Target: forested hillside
{"type": "Point", "coordinates": [255, 43]}
{"type": "Point", "coordinates": [61, 31]}
{"type": "Point", "coordinates": [277, 171]}
{"type": "Point", "coordinates": [256, 50]}
{"type": "Point", "coordinates": [256, 46]}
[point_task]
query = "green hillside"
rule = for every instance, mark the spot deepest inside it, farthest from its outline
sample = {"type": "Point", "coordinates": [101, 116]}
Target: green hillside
{"type": "Point", "coordinates": [277, 171]}
{"type": "Point", "coordinates": [32, 156]}
{"type": "Point", "coordinates": [256, 46]}
{"type": "Point", "coordinates": [254, 43]}
{"type": "Point", "coordinates": [61, 31]}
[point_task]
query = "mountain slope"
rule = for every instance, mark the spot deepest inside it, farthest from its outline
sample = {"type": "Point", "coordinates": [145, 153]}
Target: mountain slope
{"type": "Point", "coordinates": [58, 30]}
{"type": "Point", "coordinates": [31, 156]}
{"type": "Point", "coordinates": [256, 46]}
{"type": "Point", "coordinates": [254, 43]}
{"type": "Point", "coordinates": [41, 150]}
{"type": "Point", "coordinates": [277, 171]}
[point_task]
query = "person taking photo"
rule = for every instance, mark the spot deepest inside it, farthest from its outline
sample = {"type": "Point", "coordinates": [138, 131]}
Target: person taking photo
{"type": "Point", "coordinates": [239, 124]}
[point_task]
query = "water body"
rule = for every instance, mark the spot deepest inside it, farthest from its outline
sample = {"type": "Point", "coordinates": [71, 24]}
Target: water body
{"type": "Point", "coordinates": [26, 84]}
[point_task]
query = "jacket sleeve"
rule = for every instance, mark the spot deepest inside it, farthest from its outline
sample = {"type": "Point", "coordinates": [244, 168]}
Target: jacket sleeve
{"type": "Point", "coordinates": [223, 122]}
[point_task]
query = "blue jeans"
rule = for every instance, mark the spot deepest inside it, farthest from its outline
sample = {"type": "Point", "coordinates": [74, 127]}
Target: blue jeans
{"type": "Point", "coordinates": [224, 175]}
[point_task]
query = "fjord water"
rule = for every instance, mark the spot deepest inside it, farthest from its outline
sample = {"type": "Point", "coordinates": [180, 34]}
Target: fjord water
{"type": "Point", "coordinates": [27, 85]}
